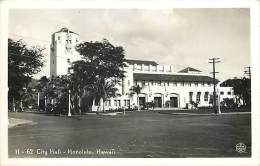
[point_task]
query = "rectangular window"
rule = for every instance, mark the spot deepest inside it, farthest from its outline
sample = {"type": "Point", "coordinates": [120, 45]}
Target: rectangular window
{"type": "Point", "coordinates": [221, 93]}
{"type": "Point", "coordinates": [206, 96]}
{"type": "Point", "coordinates": [139, 67]}
{"type": "Point", "coordinates": [162, 83]}
{"type": "Point", "coordinates": [119, 103]}
{"type": "Point", "coordinates": [229, 93]}
{"type": "Point", "coordinates": [115, 102]}
{"type": "Point", "coordinates": [198, 97]}
{"type": "Point", "coordinates": [146, 68]}
{"type": "Point", "coordinates": [128, 103]}
{"type": "Point", "coordinates": [190, 96]}
{"type": "Point", "coordinates": [108, 102]}
{"type": "Point", "coordinates": [143, 83]}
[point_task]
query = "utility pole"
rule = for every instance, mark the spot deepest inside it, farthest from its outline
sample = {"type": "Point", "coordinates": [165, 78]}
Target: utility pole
{"type": "Point", "coordinates": [45, 104]}
{"type": "Point", "coordinates": [21, 105]}
{"type": "Point", "coordinates": [248, 71]}
{"type": "Point", "coordinates": [69, 113]}
{"type": "Point", "coordinates": [214, 61]}
{"type": "Point", "coordinates": [38, 101]}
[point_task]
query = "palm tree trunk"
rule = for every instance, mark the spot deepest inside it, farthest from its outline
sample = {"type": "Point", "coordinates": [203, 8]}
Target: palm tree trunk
{"type": "Point", "coordinates": [93, 104]}
{"type": "Point", "coordinates": [21, 105]}
{"type": "Point", "coordinates": [103, 105]}
{"type": "Point", "coordinates": [52, 104]}
{"type": "Point", "coordinates": [100, 105]}
{"type": "Point", "coordinates": [14, 110]}
{"type": "Point", "coordinates": [138, 106]}
{"type": "Point", "coordinates": [79, 102]}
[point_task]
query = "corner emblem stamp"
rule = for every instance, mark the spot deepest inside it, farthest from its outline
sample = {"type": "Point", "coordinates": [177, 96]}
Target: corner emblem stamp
{"type": "Point", "coordinates": [241, 147]}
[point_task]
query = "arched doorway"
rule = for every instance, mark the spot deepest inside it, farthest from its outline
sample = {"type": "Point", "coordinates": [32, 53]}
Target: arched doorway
{"type": "Point", "coordinates": [158, 100]}
{"type": "Point", "coordinates": [174, 100]}
{"type": "Point", "coordinates": [142, 100]}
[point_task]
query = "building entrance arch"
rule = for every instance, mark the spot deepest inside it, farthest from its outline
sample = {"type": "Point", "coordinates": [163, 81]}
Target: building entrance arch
{"type": "Point", "coordinates": [142, 98]}
{"type": "Point", "coordinates": [174, 100]}
{"type": "Point", "coordinates": [158, 100]}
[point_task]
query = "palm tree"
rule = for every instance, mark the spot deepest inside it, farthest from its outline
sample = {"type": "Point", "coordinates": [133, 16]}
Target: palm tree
{"type": "Point", "coordinates": [42, 87]}
{"type": "Point", "coordinates": [104, 90]}
{"type": "Point", "coordinates": [137, 89]}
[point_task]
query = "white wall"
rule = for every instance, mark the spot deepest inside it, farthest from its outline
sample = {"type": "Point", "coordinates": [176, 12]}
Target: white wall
{"type": "Point", "coordinates": [60, 52]}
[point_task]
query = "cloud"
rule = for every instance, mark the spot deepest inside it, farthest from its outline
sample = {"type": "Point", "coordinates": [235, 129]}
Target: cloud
{"type": "Point", "coordinates": [182, 37]}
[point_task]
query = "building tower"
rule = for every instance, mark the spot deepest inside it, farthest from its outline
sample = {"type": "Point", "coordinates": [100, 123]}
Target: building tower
{"type": "Point", "coordinates": [62, 51]}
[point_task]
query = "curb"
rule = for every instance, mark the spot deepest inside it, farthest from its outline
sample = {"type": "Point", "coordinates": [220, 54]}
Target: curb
{"type": "Point", "coordinates": [210, 114]}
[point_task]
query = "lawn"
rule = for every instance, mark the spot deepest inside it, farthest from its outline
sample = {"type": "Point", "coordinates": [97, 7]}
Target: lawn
{"type": "Point", "coordinates": [136, 134]}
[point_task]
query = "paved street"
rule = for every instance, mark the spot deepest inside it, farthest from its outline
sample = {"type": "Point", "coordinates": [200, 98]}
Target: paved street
{"type": "Point", "coordinates": [137, 134]}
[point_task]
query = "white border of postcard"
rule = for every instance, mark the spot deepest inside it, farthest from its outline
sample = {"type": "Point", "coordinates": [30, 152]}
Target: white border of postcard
{"type": "Point", "coordinates": [255, 60]}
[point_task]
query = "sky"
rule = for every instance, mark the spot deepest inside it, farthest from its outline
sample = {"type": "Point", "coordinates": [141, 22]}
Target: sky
{"type": "Point", "coordinates": [185, 37]}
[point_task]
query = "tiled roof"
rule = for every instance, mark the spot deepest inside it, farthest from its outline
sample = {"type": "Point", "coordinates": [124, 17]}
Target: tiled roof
{"type": "Point", "coordinates": [171, 77]}
{"type": "Point", "coordinates": [139, 62]}
{"type": "Point", "coordinates": [186, 70]}
{"type": "Point", "coordinates": [65, 30]}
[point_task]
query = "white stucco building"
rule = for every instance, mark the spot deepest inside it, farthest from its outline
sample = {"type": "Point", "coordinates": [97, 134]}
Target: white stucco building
{"type": "Point", "coordinates": [62, 51]}
{"type": "Point", "coordinates": [160, 84]}
{"type": "Point", "coordinates": [164, 87]}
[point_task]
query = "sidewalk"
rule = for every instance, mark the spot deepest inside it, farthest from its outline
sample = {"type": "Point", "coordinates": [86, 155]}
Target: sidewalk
{"type": "Point", "coordinates": [12, 122]}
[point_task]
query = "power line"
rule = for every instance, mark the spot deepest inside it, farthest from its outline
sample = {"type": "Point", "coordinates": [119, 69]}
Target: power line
{"type": "Point", "coordinates": [30, 38]}
{"type": "Point", "coordinates": [214, 61]}
{"type": "Point", "coordinates": [57, 56]}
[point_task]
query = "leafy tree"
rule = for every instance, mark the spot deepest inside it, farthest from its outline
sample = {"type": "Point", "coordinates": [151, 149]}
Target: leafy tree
{"type": "Point", "coordinates": [55, 89]}
{"type": "Point", "coordinates": [136, 89]}
{"type": "Point", "coordinates": [102, 63]}
{"type": "Point", "coordinates": [60, 93]}
{"type": "Point", "coordinates": [242, 89]}
{"type": "Point", "coordinates": [228, 103]}
{"type": "Point", "coordinates": [29, 95]}
{"type": "Point", "coordinates": [82, 85]}
{"type": "Point", "coordinates": [23, 63]}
